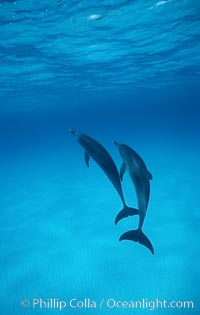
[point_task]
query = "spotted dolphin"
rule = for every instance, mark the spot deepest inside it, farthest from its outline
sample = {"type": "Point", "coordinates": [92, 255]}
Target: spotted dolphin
{"type": "Point", "coordinates": [101, 156]}
{"type": "Point", "coordinates": [140, 177]}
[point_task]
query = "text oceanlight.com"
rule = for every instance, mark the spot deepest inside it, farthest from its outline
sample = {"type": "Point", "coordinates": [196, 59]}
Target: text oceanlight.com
{"type": "Point", "coordinates": [111, 303]}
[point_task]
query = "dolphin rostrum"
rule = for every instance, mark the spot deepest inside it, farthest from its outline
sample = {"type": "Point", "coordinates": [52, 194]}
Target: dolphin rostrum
{"type": "Point", "coordinates": [140, 178]}
{"type": "Point", "coordinates": [101, 156]}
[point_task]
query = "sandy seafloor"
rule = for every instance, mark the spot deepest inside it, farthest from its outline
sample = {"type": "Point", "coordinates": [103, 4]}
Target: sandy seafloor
{"type": "Point", "coordinates": [59, 239]}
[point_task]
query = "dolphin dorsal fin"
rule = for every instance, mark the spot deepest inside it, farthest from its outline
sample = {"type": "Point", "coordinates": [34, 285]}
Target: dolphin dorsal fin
{"type": "Point", "coordinates": [122, 171]}
{"type": "Point", "coordinates": [87, 158]}
{"type": "Point", "coordinates": [149, 175]}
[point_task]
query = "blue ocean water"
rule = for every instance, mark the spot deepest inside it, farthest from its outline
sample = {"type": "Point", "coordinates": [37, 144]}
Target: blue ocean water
{"type": "Point", "coordinates": [116, 70]}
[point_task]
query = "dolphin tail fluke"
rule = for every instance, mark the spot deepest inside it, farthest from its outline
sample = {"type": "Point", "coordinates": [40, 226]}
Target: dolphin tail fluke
{"type": "Point", "coordinates": [126, 212]}
{"type": "Point", "coordinates": [139, 237]}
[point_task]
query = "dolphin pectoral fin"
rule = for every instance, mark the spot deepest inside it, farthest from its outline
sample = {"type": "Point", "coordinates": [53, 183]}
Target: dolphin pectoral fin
{"type": "Point", "coordinates": [122, 171]}
{"type": "Point", "coordinates": [87, 158]}
{"type": "Point", "coordinates": [126, 212]}
{"type": "Point", "coordinates": [138, 237]}
{"type": "Point", "coordinates": [149, 175]}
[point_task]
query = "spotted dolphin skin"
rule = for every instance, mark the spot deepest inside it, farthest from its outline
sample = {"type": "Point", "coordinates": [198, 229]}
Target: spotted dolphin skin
{"type": "Point", "coordinates": [101, 156]}
{"type": "Point", "coordinates": [140, 177]}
